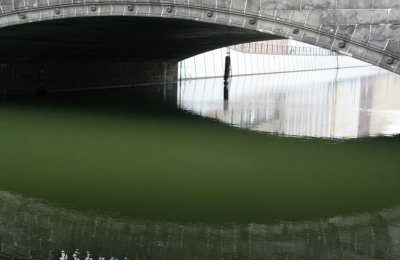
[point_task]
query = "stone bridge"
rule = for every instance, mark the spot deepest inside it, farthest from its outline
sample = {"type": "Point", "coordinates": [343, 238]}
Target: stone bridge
{"type": "Point", "coordinates": [84, 43]}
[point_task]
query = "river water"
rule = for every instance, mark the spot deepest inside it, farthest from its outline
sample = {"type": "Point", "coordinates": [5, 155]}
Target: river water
{"type": "Point", "coordinates": [293, 166]}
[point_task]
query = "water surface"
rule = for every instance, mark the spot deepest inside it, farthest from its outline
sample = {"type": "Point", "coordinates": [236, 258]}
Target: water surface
{"type": "Point", "coordinates": [165, 184]}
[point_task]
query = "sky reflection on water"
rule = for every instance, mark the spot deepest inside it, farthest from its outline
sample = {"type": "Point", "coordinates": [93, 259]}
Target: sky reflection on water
{"type": "Point", "coordinates": [347, 103]}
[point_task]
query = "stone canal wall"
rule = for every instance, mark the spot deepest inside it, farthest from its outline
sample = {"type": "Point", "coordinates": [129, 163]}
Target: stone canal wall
{"type": "Point", "coordinates": [32, 229]}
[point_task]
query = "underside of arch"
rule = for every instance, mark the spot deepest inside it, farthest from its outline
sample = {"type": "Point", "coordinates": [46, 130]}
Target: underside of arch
{"type": "Point", "coordinates": [117, 38]}
{"type": "Point", "coordinates": [141, 39]}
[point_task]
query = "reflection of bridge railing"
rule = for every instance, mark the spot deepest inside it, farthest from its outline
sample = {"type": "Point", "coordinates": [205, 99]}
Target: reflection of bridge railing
{"type": "Point", "coordinates": [265, 48]}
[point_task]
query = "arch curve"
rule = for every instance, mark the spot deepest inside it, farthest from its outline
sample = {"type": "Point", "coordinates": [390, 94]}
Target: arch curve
{"type": "Point", "coordinates": [278, 23]}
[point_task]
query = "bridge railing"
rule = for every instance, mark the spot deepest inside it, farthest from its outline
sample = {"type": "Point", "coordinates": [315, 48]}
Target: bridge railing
{"type": "Point", "coordinates": [273, 49]}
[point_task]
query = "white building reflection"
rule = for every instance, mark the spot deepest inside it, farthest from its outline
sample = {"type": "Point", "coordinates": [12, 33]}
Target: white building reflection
{"type": "Point", "coordinates": [348, 103]}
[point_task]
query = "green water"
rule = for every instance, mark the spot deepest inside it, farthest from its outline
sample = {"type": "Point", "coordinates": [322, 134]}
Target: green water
{"type": "Point", "coordinates": [172, 166]}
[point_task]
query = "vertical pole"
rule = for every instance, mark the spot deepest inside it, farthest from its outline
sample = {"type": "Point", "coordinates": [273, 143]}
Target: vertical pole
{"type": "Point", "coordinates": [227, 75]}
{"type": "Point", "coordinates": [226, 91]}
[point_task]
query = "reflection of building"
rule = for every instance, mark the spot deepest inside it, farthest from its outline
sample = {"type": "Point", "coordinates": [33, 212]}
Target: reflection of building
{"type": "Point", "coordinates": [317, 104]}
{"type": "Point", "coordinates": [34, 230]}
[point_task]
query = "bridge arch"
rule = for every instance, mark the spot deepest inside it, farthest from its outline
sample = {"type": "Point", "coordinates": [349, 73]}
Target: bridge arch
{"type": "Point", "coordinates": [319, 25]}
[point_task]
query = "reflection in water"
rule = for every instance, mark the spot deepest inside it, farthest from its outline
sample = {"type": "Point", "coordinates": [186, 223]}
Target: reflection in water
{"type": "Point", "coordinates": [348, 103]}
{"type": "Point", "coordinates": [34, 229]}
